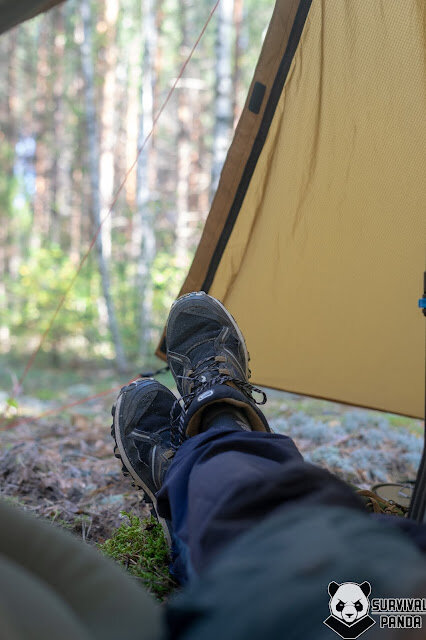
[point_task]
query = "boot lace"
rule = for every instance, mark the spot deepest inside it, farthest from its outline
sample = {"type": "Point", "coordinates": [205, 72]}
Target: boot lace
{"type": "Point", "coordinates": [199, 382]}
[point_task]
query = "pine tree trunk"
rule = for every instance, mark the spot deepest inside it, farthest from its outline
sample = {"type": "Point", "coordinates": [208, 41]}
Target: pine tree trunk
{"type": "Point", "coordinates": [223, 91]}
{"type": "Point", "coordinates": [158, 58]}
{"type": "Point", "coordinates": [107, 132]}
{"type": "Point", "coordinates": [41, 196]}
{"type": "Point", "coordinates": [94, 153]}
{"type": "Point", "coordinates": [72, 197]}
{"type": "Point", "coordinates": [59, 147]}
{"type": "Point", "coordinates": [8, 124]}
{"type": "Point", "coordinates": [8, 244]}
{"type": "Point", "coordinates": [236, 74]}
{"type": "Point", "coordinates": [183, 151]}
{"type": "Point", "coordinates": [132, 123]}
{"type": "Point", "coordinates": [121, 109]}
{"type": "Point", "coordinates": [145, 214]}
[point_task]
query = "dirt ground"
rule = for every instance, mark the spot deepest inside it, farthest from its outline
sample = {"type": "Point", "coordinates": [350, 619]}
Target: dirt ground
{"type": "Point", "coordinates": [64, 470]}
{"type": "Point", "coordinates": [62, 467]}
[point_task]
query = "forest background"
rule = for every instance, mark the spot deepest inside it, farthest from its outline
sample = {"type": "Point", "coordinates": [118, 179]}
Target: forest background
{"type": "Point", "coordinates": [79, 90]}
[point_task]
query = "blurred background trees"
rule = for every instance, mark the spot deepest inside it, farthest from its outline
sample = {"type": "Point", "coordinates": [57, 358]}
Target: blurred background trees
{"type": "Point", "coordinates": [79, 89]}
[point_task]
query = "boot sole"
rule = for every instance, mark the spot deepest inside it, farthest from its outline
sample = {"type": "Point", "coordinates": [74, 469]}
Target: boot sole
{"type": "Point", "coordinates": [127, 469]}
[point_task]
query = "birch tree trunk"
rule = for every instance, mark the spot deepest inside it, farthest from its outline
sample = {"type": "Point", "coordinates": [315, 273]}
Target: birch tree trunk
{"type": "Point", "coordinates": [223, 91]}
{"type": "Point", "coordinates": [145, 227]}
{"type": "Point", "coordinates": [94, 152]}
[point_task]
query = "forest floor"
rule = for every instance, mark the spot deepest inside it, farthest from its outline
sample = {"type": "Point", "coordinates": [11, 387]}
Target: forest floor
{"type": "Point", "coordinates": [61, 467]}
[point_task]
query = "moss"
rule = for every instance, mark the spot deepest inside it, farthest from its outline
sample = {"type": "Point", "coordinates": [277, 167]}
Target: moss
{"type": "Point", "coordinates": [140, 547]}
{"type": "Point", "coordinates": [13, 500]}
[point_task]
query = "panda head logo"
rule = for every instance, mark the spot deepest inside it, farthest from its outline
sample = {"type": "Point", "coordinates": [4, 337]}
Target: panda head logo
{"type": "Point", "coordinates": [349, 601]}
{"type": "Point", "coordinates": [349, 607]}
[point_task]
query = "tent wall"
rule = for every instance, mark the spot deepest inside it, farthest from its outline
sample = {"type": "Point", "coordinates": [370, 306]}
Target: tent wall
{"type": "Point", "coordinates": [316, 237]}
{"type": "Point", "coordinates": [12, 12]}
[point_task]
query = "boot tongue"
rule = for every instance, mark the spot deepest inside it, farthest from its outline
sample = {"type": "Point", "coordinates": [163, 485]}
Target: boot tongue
{"type": "Point", "coordinates": [209, 369]}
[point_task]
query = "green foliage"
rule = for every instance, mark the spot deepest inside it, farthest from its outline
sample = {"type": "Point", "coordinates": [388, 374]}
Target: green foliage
{"type": "Point", "coordinates": [42, 281]}
{"type": "Point", "coordinates": [11, 402]}
{"type": "Point", "coordinates": [7, 181]}
{"type": "Point", "coordinates": [167, 278]}
{"type": "Point", "coordinates": [140, 546]}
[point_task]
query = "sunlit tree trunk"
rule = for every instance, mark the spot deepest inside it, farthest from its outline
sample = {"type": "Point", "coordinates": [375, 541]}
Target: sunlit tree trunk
{"type": "Point", "coordinates": [107, 131]}
{"type": "Point", "coordinates": [60, 140]}
{"type": "Point", "coordinates": [76, 202]}
{"type": "Point", "coordinates": [71, 189]}
{"type": "Point", "coordinates": [223, 91]}
{"type": "Point", "coordinates": [196, 131]}
{"type": "Point", "coordinates": [132, 121]}
{"type": "Point", "coordinates": [78, 192]}
{"type": "Point", "coordinates": [94, 152]}
{"type": "Point", "coordinates": [122, 98]}
{"type": "Point", "coordinates": [9, 246]}
{"type": "Point", "coordinates": [8, 126]}
{"type": "Point", "coordinates": [236, 74]}
{"type": "Point", "coordinates": [203, 152]}
{"type": "Point", "coordinates": [158, 58]}
{"type": "Point", "coordinates": [157, 63]}
{"type": "Point", "coordinates": [183, 149]}
{"type": "Point", "coordinates": [41, 196]}
{"type": "Point", "coordinates": [146, 218]}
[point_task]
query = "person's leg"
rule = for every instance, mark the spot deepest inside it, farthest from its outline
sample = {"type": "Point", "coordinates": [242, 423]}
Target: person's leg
{"type": "Point", "coordinates": [261, 533]}
{"type": "Point", "coordinates": [225, 481]}
{"type": "Point", "coordinates": [272, 581]}
{"type": "Point", "coordinates": [221, 482]}
{"type": "Point", "coordinates": [228, 471]}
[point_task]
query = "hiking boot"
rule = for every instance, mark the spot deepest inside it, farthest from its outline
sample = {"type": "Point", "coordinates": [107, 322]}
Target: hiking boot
{"type": "Point", "coordinates": [208, 358]}
{"type": "Point", "coordinates": [141, 431]}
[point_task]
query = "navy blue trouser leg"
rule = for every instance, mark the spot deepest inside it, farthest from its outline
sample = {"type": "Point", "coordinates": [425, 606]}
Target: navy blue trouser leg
{"type": "Point", "coordinates": [224, 481]}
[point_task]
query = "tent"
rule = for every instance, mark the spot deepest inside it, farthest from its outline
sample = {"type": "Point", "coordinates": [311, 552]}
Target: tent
{"type": "Point", "coordinates": [316, 236]}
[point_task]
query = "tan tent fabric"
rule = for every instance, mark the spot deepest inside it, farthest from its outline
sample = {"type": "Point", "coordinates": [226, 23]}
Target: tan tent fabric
{"type": "Point", "coordinates": [12, 12]}
{"type": "Point", "coordinates": [322, 261]}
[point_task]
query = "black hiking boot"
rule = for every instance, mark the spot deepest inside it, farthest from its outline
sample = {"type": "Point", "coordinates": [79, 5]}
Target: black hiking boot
{"type": "Point", "coordinates": [208, 357]}
{"type": "Point", "coordinates": [141, 431]}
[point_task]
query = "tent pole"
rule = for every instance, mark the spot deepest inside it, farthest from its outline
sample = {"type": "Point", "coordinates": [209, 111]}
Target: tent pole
{"type": "Point", "coordinates": [418, 502]}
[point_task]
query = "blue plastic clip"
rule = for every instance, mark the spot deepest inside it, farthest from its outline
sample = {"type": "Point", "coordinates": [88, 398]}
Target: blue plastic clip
{"type": "Point", "coordinates": [422, 303]}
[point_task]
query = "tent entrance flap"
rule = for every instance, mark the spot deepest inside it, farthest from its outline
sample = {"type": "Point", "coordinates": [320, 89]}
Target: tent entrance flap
{"type": "Point", "coordinates": [316, 237]}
